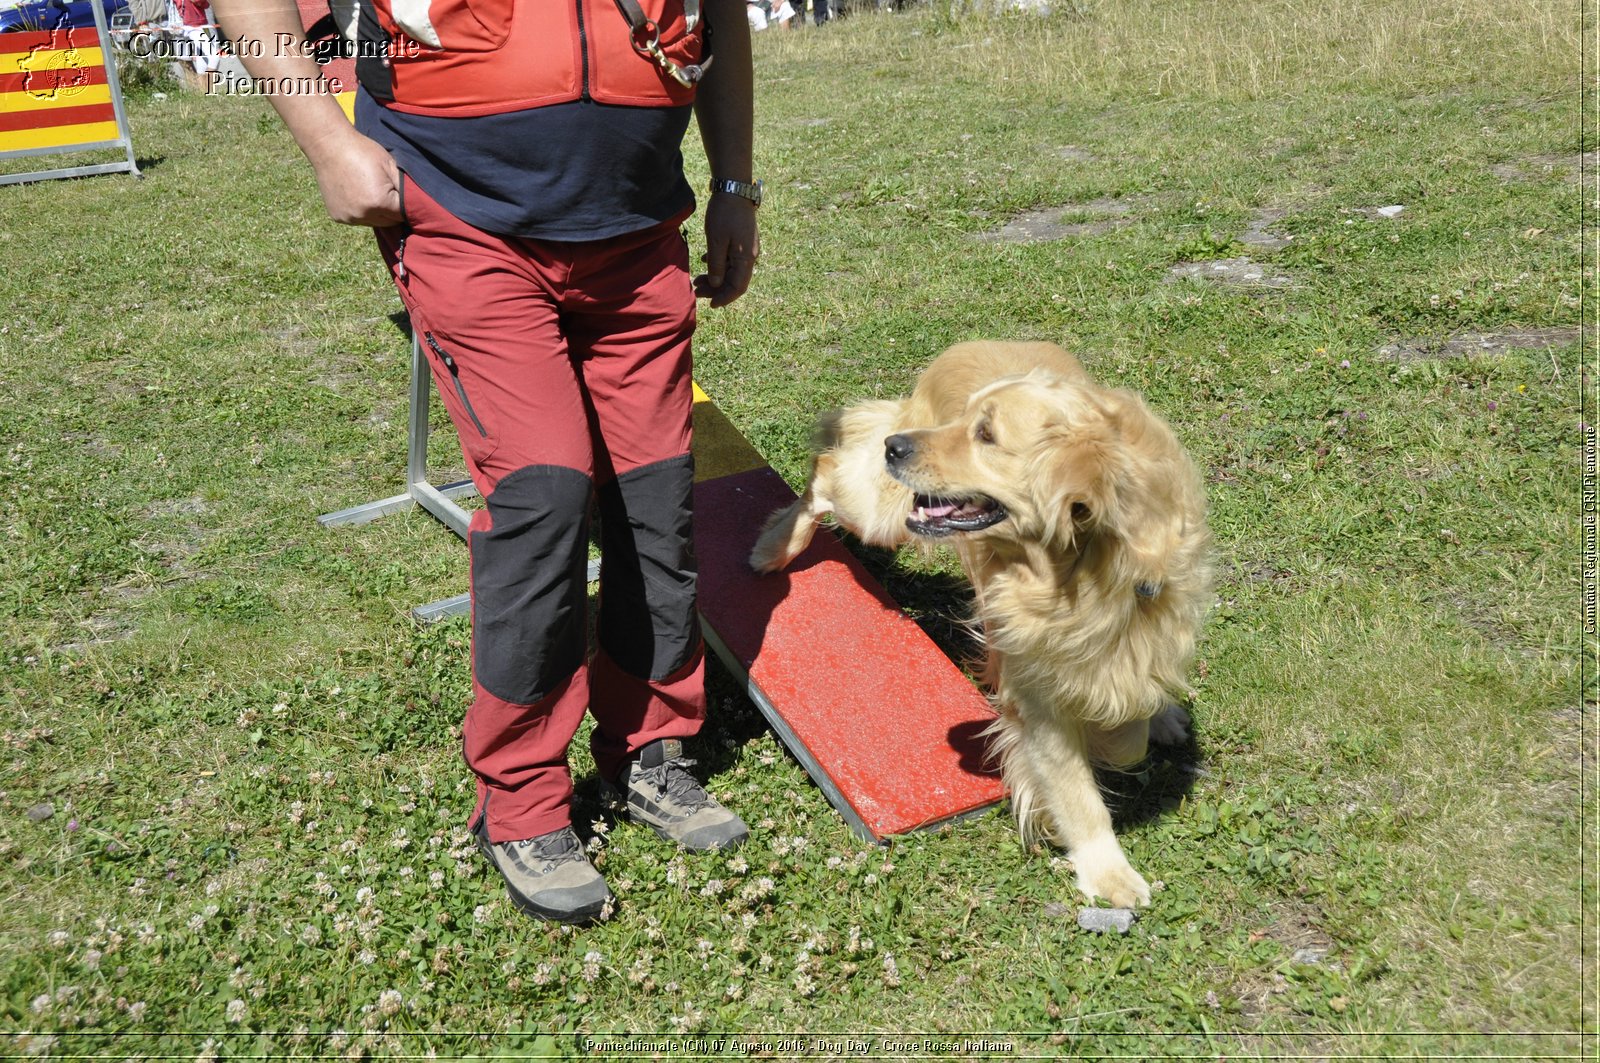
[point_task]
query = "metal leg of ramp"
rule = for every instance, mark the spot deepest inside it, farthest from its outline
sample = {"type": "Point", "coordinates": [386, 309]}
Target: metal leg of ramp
{"type": "Point", "coordinates": [420, 491]}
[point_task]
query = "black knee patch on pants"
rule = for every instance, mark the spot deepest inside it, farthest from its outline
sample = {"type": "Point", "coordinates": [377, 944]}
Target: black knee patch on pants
{"type": "Point", "coordinates": [648, 624]}
{"type": "Point", "coordinates": [529, 583]}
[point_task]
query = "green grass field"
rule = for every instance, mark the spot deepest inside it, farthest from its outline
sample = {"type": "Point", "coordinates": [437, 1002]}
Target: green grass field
{"type": "Point", "coordinates": [232, 808]}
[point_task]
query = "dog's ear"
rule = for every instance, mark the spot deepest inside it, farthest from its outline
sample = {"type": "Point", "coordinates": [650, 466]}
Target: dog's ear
{"type": "Point", "coordinates": [1117, 472]}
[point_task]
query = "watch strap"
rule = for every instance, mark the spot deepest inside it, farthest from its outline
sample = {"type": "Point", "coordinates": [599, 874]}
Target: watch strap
{"type": "Point", "coordinates": [750, 190]}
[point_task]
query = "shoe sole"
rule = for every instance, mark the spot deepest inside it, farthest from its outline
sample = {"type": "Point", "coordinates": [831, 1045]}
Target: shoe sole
{"type": "Point", "coordinates": [566, 916]}
{"type": "Point", "coordinates": [574, 917]}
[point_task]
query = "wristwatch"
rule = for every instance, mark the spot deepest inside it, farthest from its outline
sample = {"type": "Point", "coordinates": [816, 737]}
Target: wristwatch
{"type": "Point", "coordinates": [745, 189]}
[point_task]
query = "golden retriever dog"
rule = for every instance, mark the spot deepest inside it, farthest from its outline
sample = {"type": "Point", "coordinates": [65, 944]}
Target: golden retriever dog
{"type": "Point", "coordinates": [1080, 522]}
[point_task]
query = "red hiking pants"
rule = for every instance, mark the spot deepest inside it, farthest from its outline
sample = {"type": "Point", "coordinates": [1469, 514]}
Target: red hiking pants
{"type": "Point", "coordinates": [565, 368]}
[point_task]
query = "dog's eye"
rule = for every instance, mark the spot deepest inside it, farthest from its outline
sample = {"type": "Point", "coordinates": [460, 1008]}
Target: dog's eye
{"type": "Point", "coordinates": [1080, 512]}
{"type": "Point", "coordinates": [983, 433]}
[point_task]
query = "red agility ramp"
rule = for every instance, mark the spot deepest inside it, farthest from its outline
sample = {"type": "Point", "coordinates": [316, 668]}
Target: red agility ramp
{"type": "Point", "coordinates": [886, 725]}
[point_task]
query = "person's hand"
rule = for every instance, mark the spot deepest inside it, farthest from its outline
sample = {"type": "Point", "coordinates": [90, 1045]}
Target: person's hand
{"type": "Point", "coordinates": [359, 181]}
{"type": "Point", "coordinates": [732, 246]}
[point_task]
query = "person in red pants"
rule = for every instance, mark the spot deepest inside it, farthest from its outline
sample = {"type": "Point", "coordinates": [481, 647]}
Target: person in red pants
{"type": "Point", "coordinates": [525, 179]}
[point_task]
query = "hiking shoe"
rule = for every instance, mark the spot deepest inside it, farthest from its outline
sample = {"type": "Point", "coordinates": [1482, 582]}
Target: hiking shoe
{"type": "Point", "coordinates": [548, 877]}
{"type": "Point", "coordinates": [661, 794]}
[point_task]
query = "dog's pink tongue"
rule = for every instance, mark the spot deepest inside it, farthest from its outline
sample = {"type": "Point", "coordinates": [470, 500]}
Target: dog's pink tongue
{"type": "Point", "coordinates": [939, 509]}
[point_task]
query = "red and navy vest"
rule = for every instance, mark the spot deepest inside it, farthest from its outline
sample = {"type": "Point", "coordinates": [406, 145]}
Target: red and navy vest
{"type": "Point", "coordinates": [462, 58]}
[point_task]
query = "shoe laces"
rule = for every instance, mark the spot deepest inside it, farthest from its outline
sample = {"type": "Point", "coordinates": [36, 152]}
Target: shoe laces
{"type": "Point", "coordinates": [671, 777]}
{"type": "Point", "coordinates": [552, 849]}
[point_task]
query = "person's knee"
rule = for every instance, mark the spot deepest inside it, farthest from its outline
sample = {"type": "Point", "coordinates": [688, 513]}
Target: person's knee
{"type": "Point", "coordinates": [648, 624]}
{"type": "Point", "coordinates": [529, 583]}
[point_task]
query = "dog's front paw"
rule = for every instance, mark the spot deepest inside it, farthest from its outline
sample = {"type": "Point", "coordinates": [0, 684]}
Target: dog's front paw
{"type": "Point", "coordinates": [1104, 873]}
{"type": "Point", "coordinates": [785, 538]}
{"type": "Point", "coordinates": [1170, 726]}
{"type": "Point", "coordinates": [768, 556]}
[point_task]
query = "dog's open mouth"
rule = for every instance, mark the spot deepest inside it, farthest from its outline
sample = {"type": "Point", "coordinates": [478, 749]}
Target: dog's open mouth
{"type": "Point", "coordinates": [946, 516]}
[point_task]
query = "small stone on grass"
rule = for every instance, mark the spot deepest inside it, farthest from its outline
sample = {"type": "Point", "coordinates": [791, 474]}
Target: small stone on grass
{"type": "Point", "coordinates": [1104, 920]}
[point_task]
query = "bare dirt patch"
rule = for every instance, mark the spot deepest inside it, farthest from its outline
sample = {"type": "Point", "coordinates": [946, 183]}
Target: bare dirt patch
{"type": "Point", "coordinates": [1260, 233]}
{"type": "Point", "coordinates": [1052, 223]}
{"type": "Point", "coordinates": [1572, 167]}
{"type": "Point", "coordinates": [1495, 343]}
{"type": "Point", "coordinates": [1294, 928]}
{"type": "Point", "coordinates": [1238, 272]}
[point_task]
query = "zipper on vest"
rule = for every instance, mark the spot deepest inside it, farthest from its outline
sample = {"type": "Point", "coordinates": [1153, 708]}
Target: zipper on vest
{"type": "Point", "coordinates": [583, 48]}
{"type": "Point", "coordinates": [455, 375]}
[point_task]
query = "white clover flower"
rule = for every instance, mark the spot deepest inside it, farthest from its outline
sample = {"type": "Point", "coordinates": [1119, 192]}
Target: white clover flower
{"type": "Point", "coordinates": [480, 914]}
{"type": "Point", "coordinates": [57, 939]}
{"type": "Point", "coordinates": [297, 812]}
{"type": "Point", "coordinates": [207, 1053]}
{"type": "Point", "coordinates": [41, 1044]}
{"type": "Point", "coordinates": [236, 1011]}
{"type": "Point", "coordinates": [704, 946]}
{"type": "Point", "coordinates": [91, 959]}
{"type": "Point", "coordinates": [542, 974]}
{"type": "Point", "coordinates": [366, 957]}
{"type": "Point", "coordinates": [41, 1004]}
{"type": "Point", "coordinates": [738, 865]}
{"type": "Point", "coordinates": [803, 984]}
{"type": "Point", "coordinates": [136, 1010]}
{"type": "Point", "coordinates": [591, 965]}
{"type": "Point", "coordinates": [869, 880]}
{"type": "Point", "coordinates": [713, 888]}
{"type": "Point", "coordinates": [891, 971]}
{"type": "Point", "coordinates": [311, 934]}
{"type": "Point", "coordinates": [390, 1001]}
{"type": "Point", "coordinates": [364, 895]}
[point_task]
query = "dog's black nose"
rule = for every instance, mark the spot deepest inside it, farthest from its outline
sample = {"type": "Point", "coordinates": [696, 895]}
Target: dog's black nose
{"type": "Point", "coordinates": [898, 448]}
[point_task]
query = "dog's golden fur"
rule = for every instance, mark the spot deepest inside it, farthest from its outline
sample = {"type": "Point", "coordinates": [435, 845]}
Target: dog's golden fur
{"type": "Point", "coordinates": [1080, 522]}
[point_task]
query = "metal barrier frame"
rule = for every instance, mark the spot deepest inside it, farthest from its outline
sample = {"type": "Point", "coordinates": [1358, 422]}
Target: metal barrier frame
{"type": "Point", "coordinates": [420, 491]}
{"type": "Point", "coordinates": [124, 137]}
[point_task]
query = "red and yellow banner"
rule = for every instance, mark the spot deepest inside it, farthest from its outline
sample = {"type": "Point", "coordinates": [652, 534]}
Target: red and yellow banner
{"type": "Point", "coordinates": [54, 91]}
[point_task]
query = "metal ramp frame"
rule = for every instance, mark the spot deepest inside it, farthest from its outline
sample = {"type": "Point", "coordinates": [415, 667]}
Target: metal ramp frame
{"type": "Point", "coordinates": [420, 490]}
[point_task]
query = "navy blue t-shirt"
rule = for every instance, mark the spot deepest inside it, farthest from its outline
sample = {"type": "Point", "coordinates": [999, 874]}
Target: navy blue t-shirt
{"type": "Point", "coordinates": [570, 171]}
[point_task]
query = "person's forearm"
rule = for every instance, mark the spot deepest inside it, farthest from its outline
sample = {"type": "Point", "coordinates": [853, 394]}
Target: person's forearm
{"type": "Point", "coordinates": [268, 36]}
{"type": "Point", "coordinates": [724, 105]}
